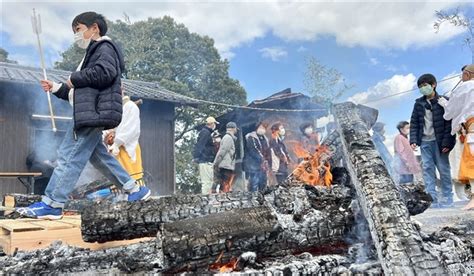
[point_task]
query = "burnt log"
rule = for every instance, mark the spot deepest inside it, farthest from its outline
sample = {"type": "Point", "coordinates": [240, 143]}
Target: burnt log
{"type": "Point", "coordinates": [108, 221]}
{"type": "Point", "coordinates": [398, 243]}
{"type": "Point", "coordinates": [20, 200]}
{"type": "Point", "coordinates": [197, 243]}
{"type": "Point", "coordinates": [288, 223]}
{"type": "Point", "coordinates": [414, 195]}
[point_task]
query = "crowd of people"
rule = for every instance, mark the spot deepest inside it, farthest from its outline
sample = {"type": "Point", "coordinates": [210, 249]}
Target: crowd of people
{"type": "Point", "coordinates": [434, 124]}
{"type": "Point", "coordinates": [266, 158]}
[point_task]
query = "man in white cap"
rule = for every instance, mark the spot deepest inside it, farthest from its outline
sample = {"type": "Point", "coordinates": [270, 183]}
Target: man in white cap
{"type": "Point", "coordinates": [204, 154]}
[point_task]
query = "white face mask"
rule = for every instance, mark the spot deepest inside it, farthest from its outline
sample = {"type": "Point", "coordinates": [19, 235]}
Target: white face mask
{"type": "Point", "coordinates": [282, 132]}
{"type": "Point", "coordinates": [81, 41]}
{"type": "Point", "coordinates": [308, 131]}
{"type": "Point", "coordinates": [218, 140]}
{"type": "Point", "coordinates": [261, 131]}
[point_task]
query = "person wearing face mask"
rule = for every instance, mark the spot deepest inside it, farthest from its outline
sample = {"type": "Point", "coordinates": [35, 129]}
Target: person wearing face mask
{"type": "Point", "coordinates": [460, 109]}
{"type": "Point", "coordinates": [224, 163]}
{"type": "Point", "coordinates": [405, 163]}
{"type": "Point", "coordinates": [204, 154]}
{"type": "Point", "coordinates": [309, 140]}
{"type": "Point", "coordinates": [432, 133]}
{"type": "Point", "coordinates": [280, 156]}
{"type": "Point", "coordinates": [95, 94]}
{"type": "Point", "coordinates": [257, 158]}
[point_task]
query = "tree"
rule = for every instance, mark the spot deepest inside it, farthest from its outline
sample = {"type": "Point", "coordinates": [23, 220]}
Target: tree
{"type": "Point", "coordinates": [4, 56]}
{"type": "Point", "coordinates": [459, 20]}
{"type": "Point", "coordinates": [325, 84]}
{"type": "Point", "coordinates": [163, 51]}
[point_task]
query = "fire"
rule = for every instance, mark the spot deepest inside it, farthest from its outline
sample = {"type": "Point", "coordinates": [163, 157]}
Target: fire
{"type": "Point", "coordinates": [315, 170]}
{"type": "Point", "coordinates": [224, 267]}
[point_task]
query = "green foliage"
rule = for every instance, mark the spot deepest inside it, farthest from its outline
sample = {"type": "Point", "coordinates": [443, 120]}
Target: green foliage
{"type": "Point", "coordinates": [325, 84]}
{"type": "Point", "coordinates": [163, 51]}
{"type": "Point", "coordinates": [4, 56]}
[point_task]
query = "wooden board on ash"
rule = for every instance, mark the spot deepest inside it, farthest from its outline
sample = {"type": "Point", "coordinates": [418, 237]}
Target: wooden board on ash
{"type": "Point", "coordinates": [31, 234]}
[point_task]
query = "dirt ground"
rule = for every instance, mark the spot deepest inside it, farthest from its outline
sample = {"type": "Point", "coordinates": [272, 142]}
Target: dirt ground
{"type": "Point", "coordinates": [436, 218]}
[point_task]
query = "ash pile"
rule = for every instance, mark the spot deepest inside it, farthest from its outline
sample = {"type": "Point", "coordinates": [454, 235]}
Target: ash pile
{"type": "Point", "coordinates": [339, 212]}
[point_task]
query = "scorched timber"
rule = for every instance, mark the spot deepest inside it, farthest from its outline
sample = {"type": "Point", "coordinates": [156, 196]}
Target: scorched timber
{"type": "Point", "coordinates": [398, 243]}
{"type": "Point", "coordinates": [118, 221]}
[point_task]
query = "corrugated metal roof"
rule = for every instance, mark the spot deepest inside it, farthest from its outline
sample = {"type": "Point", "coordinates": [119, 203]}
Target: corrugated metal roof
{"type": "Point", "coordinates": [140, 89]}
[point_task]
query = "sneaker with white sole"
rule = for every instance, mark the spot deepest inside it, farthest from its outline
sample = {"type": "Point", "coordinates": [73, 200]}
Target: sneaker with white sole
{"type": "Point", "coordinates": [142, 194]}
{"type": "Point", "coordinates": [41, 210]}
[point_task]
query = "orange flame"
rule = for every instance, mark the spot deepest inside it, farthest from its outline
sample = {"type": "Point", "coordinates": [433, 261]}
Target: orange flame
{"type": "Point", "coordinates": [314, 170]}
{"type": "Point", "coordinates": [224, 267]}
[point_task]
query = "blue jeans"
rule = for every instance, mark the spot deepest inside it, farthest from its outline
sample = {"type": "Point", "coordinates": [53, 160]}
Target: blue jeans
{"type": "Point", "coordinates": [257, 181]}
{"type": "Point", "coordinates": [72, 158]}
{"type": "Point", "coordinates": [405, 178]}
{"type": "Point", "coordinates": [433, 158]}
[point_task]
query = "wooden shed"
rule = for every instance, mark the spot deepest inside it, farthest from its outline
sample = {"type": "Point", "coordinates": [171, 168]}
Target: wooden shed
{"type": "Point", "coordinates": [24, 125]}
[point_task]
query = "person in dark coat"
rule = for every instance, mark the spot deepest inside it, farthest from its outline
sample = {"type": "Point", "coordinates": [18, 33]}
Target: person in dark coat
{"type": "Point", "coordinates": [93, 91]}
{"type": "Point", "coordinates": [432, 133]}
{"type": "Point", "coordinates": [257, 158]}
{"type": "Point", "coordinates": [280, 156]}
{"type": "Point", "coordinates": [204, 154]}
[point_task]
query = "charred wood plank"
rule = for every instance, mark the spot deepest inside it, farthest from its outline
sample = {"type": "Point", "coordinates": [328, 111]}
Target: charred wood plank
{"type": "Point", "coordinates": [399, 245]}
{"type": "Point", "coordinates": [20, 200]}
{"type": "Point", "coordinates": [197, 243]}
{"type": "Point", "coordinates": [107, 221]}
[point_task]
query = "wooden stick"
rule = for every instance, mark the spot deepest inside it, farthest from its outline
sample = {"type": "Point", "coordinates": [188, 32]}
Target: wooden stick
{"type": "Point", "coordinates": [37, 29]}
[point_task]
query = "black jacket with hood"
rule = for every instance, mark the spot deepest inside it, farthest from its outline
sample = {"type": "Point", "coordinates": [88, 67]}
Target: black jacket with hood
{"type": "Point", "coordinates": [442, 127]}
{"type": "Point", "coordinates": [97, 87]}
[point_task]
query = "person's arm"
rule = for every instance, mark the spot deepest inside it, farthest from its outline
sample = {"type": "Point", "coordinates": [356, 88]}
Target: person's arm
{"type": "Point", "coordinates": [401, 149]}
{"type": "Point", "coordinates": [447, 144]}
{"type": "Point", "coordinates": [414, 127]}
{"type": "Point", "coordinates": [102, 73]}
{"type": "Point", "coordinates": [199, 147]}
{"type": "Point", "coordinates": [252, 150]}
{"type": "Point", "coordinates": [129, 128]}
{"type": "Point", "coordinates": [223, 149]}
{"type": "Point", "coordinates": [277, 149]}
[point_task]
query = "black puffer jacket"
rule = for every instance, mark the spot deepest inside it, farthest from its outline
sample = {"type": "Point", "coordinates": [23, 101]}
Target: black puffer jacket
{"type": "Point", "coordinates": [442, 128]}
{"type": "Point", "coordinates": [97, 92]}
{"type": "Point", "coordinates": [204, 150]}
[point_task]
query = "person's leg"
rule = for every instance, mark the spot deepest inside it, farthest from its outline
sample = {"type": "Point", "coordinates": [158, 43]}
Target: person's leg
{"type": "Point", "coordinates": [133, 168]}
{"type": "Point", "coordinates": [253, 181]}
{"type": "Point", "coordinates": [206, 173]}
{"type": "Point", "coordinates": [429, 175]}
{"type": "Point", "coordinates": [406, 178]}
{"type": "Point", "coordinates": [470, 204]}
{"type": "Point", "coordinates": [442, 163]}
{"type": "Point", "coordinates": [105, 162]}
{"type": "Point", "coordinates": [72, 157]}
{"type": "Point", "coordinates": [262, 183]}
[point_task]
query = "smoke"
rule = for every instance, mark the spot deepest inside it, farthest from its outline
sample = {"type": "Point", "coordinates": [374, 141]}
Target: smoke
{"type": "Point", "coordinates": [362, 249]}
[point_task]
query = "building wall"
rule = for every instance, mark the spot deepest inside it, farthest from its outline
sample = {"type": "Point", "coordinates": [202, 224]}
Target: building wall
{"type": "Point", "coordinates": [14, 131]}
{"type": "Point", "coordinates": [157, 144]}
